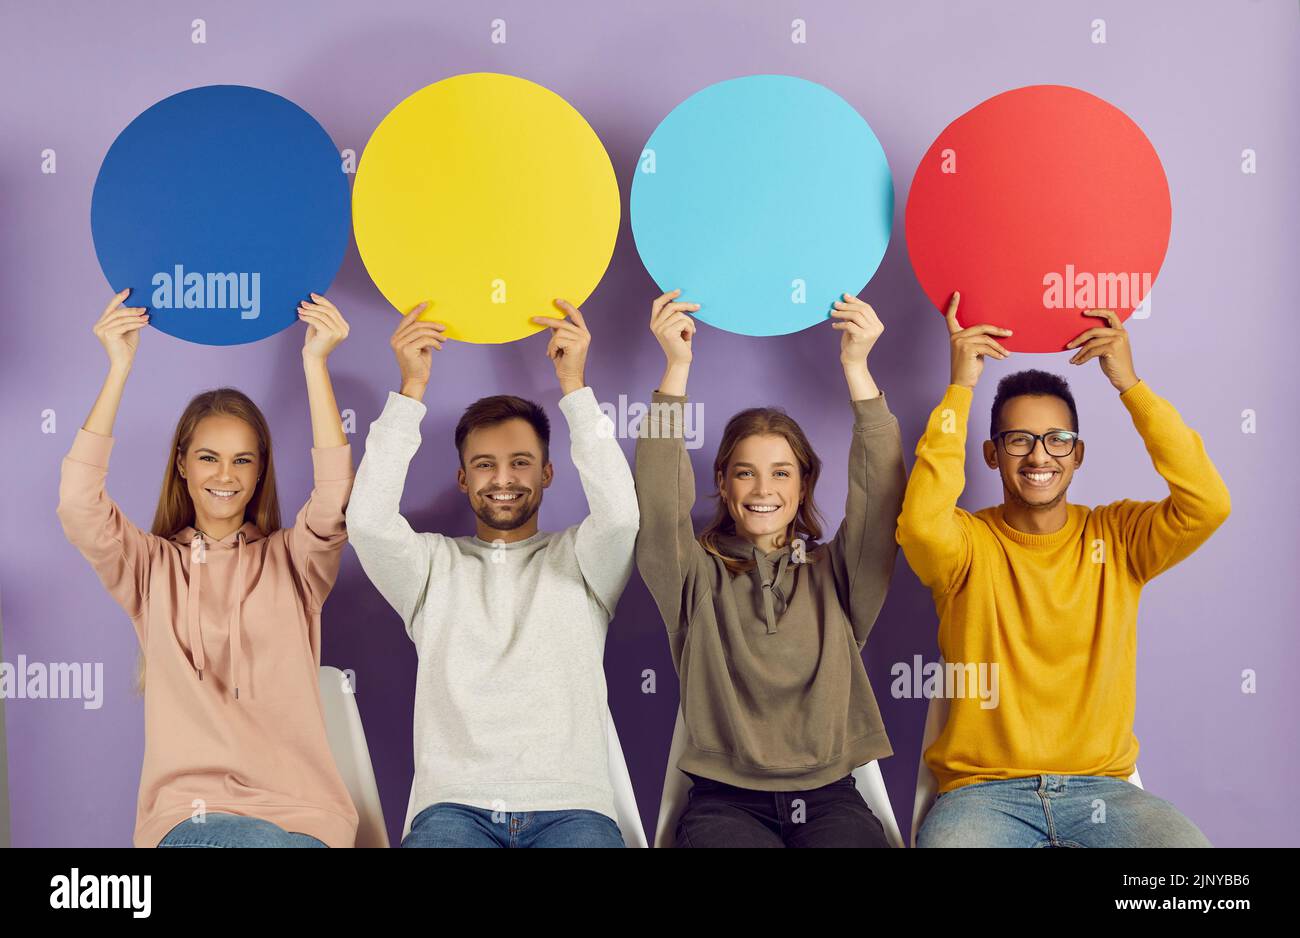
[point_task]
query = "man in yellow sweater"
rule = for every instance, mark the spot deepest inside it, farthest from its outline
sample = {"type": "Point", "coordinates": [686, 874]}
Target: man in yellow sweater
{"type": "Point", "coordinates": [1046, 592]}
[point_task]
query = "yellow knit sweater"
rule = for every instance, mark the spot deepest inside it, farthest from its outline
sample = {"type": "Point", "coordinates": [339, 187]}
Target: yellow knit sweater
{"type": "Point", "coordinates": [1057, 613]}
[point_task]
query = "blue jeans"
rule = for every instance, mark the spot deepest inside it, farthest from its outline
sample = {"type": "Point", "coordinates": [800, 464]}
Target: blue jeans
{"type": "Point", "coordinates": [1056, 811]}
{"type": "Point", "coordinates": [234, 830]}
{"type": "Point", "coordinates": [457, 825]}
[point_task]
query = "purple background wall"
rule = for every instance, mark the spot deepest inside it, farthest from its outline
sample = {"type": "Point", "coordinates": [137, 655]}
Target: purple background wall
{"type": "Point", "coordinates": [1204, 80]}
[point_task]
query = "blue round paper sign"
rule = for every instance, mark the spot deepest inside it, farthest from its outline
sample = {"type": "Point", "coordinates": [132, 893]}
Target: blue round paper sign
{"type": "Point", "coordinates": [221, 208]}
{"type": "Point", "coordinates": [763, 199]}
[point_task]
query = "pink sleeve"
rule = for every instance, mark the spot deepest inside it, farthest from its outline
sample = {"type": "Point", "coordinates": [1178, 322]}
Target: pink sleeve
{"type": "Point", "coordinates": [118, 551]}
{"type": "Point", "coordinates": [319, 532]}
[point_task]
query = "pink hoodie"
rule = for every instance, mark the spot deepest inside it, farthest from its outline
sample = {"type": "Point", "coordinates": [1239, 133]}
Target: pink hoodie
{"type": "Point", "coordinates": [231, 637]}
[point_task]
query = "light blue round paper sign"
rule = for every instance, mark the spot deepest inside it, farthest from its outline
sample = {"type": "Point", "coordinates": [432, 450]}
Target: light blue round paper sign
{"type": "Point", "coordinates": [763, 199]}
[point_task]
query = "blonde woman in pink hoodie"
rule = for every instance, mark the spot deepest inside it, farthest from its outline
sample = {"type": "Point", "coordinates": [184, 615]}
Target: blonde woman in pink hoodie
{"type": "Point", "coordinates": [226, 605]}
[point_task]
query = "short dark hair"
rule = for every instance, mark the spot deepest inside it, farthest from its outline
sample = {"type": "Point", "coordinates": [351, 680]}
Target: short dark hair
{"type": "Point", "coordinates": [489, 411]}
{"type": "Point", "coordinates": [1032, 382]}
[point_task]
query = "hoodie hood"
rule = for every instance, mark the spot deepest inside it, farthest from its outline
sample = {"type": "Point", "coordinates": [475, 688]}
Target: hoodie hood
{"type": "Point", "coordinates": [199, 544]}
{"type": "Point", "coordinates": [772, 572]}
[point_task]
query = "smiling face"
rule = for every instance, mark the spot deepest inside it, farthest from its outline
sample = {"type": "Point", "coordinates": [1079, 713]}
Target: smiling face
{"type": "Point", "coordinates": [1038, 480]}
{"type": "Point", "coordinates": [762, 487]}
{"type": "Point", "coordinates": [503, 475]}
{"type": "Point", "coordinates": [221, 468]}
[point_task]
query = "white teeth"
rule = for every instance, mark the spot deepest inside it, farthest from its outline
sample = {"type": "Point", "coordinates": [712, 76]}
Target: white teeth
{"type": "Point", "coordinates": [762, 509]}
{"type": "Point", "coordinates": [221, 493]}
{"type": "Point", "coordinates": [504, 498]}
{"type": "Point", "coordinates": [1038, 476]}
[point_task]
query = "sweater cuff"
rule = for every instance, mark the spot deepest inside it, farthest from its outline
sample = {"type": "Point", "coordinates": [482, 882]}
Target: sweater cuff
{"type": "Point", "coordinates": [1139, 399]}
{"type": "Point", "coordinates": [402, 412]}
{"type": "Point", "coordinates": [578, 405]}
{"type": "Point", "coordinates": [585, 418]}
{"type": "Point", "coordinates": [871, 413]}
{"type": "Point", "coordinates": [93, 449]}
{"type": "Point", "coordinates": [959, 398]}
{"type": "Point", "coordinates": [332, 463]}
{"type": "Point", "coordinates": [672, 398]}
{"type": "Point", "coordinates": [664, 421]}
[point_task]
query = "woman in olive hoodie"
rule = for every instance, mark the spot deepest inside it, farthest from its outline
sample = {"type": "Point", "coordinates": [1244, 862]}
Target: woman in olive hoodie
{"type": "Point", "coordinates": [766, 625]}
{"type": "Point", "coordinates": [226, 606]}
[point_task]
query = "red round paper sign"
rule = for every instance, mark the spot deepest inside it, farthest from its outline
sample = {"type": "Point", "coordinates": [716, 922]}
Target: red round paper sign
{"type": "Point", "coordinates": [1035, 205]}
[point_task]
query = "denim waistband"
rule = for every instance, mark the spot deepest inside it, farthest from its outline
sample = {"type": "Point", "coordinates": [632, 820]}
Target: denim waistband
{"type": "Point", "coordinates": [1047, 784]}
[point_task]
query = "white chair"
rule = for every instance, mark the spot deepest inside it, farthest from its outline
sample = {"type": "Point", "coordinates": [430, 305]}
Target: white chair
{"type": "Point", "coordinates": [677, 786]}
{"type": "Point", "coordinates": [927, 786]}
{"type": "Point", "coordinates": [347, 740]}
{"type": "Point", "coordinates": [629, 819]}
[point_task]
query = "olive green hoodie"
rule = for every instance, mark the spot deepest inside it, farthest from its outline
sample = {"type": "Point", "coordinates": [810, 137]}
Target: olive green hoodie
{"type": "Point", "coordinates": [774, 693]}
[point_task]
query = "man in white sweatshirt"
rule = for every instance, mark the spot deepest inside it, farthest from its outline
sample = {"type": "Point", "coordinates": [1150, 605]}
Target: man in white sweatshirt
{"type": "Point", "coordinates": [510, 623]}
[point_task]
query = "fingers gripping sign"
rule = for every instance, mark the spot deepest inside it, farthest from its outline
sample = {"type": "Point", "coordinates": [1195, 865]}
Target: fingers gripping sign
{"type": "Point", "coordinates": [118, 329]}
{"type": "Point", "coordinates": [326, 327]}
{"type": "Point", "coordinates": [568, 346]}
{"type": "Point", "coordinates": [1110, 346]}
{"type": "Point", "coordinates": [970, 345]}
{"type": "Point", "coordinates": [860, 325]}
{"type": "Point", "coordinates": [672, 326]}
{"type": "Point", "coordinates": [413, 344]}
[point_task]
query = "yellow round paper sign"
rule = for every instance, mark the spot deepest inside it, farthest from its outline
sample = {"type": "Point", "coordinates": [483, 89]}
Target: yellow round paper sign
{"type": "Point", "coordinates": [488, 196]}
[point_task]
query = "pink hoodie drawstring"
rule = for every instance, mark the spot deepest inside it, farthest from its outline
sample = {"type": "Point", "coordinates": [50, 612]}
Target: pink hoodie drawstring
{"type": "Point", "coordinates": [192, 603]}
{"type": "Point", "coordinates": [236, 616]}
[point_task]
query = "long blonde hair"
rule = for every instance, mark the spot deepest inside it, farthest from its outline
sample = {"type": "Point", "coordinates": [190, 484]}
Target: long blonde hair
{"type": "Point", "coordinates": [807, 523]}
{"type": "Point", "coordinates": [175, 506]}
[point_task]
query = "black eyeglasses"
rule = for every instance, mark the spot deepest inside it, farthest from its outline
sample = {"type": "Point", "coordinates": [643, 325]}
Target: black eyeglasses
{"type": "Point", "coordinates": [1022, 442]}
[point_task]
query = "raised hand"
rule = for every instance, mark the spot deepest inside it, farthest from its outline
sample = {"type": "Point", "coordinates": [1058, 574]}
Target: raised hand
{"type": "Point", "coordinates": [860, 328]}
{"type": "Point", "coordinates": [568, 347]}
{"type": "Point", "coordinates": [326, 327]}
{"type": "Point", "coordinates": [672, 327]}
{"type": "Point", "coordinates": [411, 344]}
{"type": "Point", "coordinates": [1110, 346]}
{"type": "Point", "coordinates": [118, 330]}
{"type": "Point", "coordinates": [970, 345]}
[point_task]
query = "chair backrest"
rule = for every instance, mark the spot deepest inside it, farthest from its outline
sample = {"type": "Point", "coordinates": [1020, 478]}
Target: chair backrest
{"type": "Point", "coordinates": [629, 818]}
{"type": "Point", "coordinates": [871, 784]}
{"type": "Point", "coordinates": [4, 768]}
{"type": "Point", "coordinates": [677, 786]}
{"type": "Point", "coordinates": [927, 786]}
{"type": "Point", "coordinates": [347, 740]}
{"type": "Point", "coordinates": [620, 781]}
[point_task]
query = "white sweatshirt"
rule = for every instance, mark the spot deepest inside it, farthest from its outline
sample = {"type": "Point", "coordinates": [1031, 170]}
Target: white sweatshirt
{"type": "Point", "coordinates": [510, 699]}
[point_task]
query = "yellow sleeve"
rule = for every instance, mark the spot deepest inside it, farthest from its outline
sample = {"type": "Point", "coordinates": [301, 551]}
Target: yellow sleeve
{"type": "Point", "coordinates": [1156, 535]}
{"type": "Point", "coordinates": [933, 532]}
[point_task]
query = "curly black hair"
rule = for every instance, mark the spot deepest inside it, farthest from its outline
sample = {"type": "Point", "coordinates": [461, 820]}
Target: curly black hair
{"type": "Point", "coordinates": [1032, 382]}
